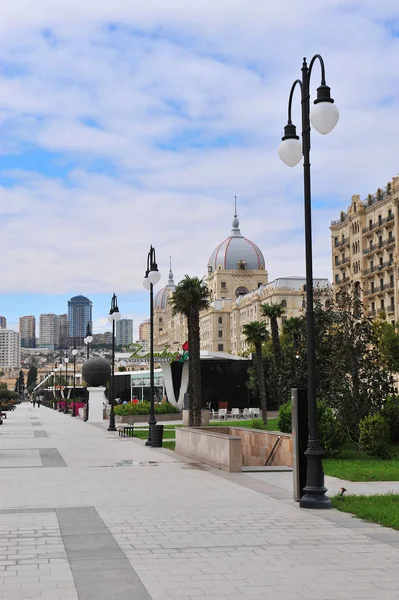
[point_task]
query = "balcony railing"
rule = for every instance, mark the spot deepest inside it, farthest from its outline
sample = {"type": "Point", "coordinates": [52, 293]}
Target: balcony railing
{"type": "Point", "coordinates": [343, 242]}
{"type": "Point", "coordinates": [390, 309]}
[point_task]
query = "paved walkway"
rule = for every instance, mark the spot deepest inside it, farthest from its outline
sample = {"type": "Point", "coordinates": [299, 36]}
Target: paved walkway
{"type": "Point", "coordinates": [87, 515]}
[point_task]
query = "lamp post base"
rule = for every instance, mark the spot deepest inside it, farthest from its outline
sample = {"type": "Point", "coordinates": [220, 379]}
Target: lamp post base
{"type": "Point", "coordinates": [151, 422]}
{"type": "Point", "coordinates": [73, 414]}
{"type": "Point", "coordinates": [315, 492]}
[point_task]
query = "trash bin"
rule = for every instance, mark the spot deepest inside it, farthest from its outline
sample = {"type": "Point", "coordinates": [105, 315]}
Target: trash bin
{"type": "Point", "coordinates": [156, 436]}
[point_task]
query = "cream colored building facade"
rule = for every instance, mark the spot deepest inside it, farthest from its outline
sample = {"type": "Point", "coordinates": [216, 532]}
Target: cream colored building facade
{"type": "Point", "coordinates": [364, 243]}
{"type": "Point", "coordinates": [238, 283]}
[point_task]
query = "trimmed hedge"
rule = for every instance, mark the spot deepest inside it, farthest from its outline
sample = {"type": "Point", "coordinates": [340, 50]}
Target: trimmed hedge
{"type": "Point", "coordinates": [143, 408]}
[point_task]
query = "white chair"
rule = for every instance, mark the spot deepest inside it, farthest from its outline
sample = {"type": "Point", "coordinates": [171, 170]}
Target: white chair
{"type": "Point", "coordinates": [256, 413]}
{"type": "Point", "coordinates": [222, 413]}
{"type": "Point", "coordinates": [245, 413]}
{"type": "Point", "coordinates": [215, 414]}
{"type": "Point", "coordinates": [235, 413]}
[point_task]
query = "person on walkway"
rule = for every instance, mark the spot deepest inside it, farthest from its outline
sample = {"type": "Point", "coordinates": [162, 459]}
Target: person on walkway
{"type": "Point", "coordinates": [39, 402]}
{"type": "Point", "coordinates": [34, 402]}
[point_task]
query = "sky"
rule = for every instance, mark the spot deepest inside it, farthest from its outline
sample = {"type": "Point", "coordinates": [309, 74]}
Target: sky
{"type": "Point", "coordinates": [125, 124]}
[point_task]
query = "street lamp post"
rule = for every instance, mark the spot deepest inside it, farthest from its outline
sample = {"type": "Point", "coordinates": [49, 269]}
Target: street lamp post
{"type": "Point", "coordinates": [151, 278]}
{"type": "Point", "coordinates": [60, 372]}
{"type": "Point", "coordinates": [52, 374]}
{"type": "Point", "coordinates": [88, 340]}
{"type": "Point", "coordinates": [74, 353]}
{"type": "Point", "coordinates": [66, 360]}
{"type": "Point", "coordinates": [114, 315]}
{"type": "Point", "coordinates": [324, 117]}
{"type": "Point", "coordinates": [54, 385]}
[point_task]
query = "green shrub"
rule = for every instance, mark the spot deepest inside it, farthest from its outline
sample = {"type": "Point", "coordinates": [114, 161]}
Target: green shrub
{"type": "Point", "coordinates": [390, 413]}
{"type": "Point", "coordinates": [331, 435]}
{"type": "Point", "coordinates": [375, 436]}
{"type": "Point", "coordinates": [284, 418]}
{"type": "Point", "coordinates": [143, 408]}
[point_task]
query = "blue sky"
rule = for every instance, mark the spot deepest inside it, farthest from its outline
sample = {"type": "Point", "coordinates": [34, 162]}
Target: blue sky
{"type": "Point", "coordinates": [123, 126]}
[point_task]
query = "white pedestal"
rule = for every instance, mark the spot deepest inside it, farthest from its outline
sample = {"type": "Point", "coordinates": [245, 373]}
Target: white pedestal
{"type": "Point", "coordinates": [97, 400]}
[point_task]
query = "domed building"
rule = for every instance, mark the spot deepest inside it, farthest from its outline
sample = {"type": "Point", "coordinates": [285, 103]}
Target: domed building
{"type": "Point", "coordinates": [239, 285]}
{"type": "Point", "coordinates": [161, 297]}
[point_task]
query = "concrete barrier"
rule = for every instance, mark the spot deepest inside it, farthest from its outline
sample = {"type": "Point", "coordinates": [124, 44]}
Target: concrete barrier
{"type": "Point", "coordinates": [211, 448]}
{"type": "Point", "coordinates": [257, 445]}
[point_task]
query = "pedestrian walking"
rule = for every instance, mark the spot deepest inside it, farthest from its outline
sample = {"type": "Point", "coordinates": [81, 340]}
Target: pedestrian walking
{"type": "Point", "coordinates": [34, 402]}
{"type": "Point", "coordinates": [39, 401]}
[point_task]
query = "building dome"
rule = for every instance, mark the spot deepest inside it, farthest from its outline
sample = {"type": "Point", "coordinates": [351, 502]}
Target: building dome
{"type": "Point", "coordinates": [161, 297]}
{"type": "Point", "coordinates": [236, 252]}
{"type": "Point", "coordinates": [79, 298]}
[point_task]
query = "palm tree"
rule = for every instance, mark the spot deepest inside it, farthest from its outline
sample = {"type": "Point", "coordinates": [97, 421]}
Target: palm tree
{"type": "Point", "coordinates": [294, 328]}
{"type": "Point", "coordinates": [256, 334]}
{"type": "Point", "coordinates": [273, 312]}
{"type": "Point", "coordinates": [190, 297]}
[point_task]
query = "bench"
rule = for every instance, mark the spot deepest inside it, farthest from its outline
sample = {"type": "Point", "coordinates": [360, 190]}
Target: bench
{"type": "Point", "coordinates": [125, 430]}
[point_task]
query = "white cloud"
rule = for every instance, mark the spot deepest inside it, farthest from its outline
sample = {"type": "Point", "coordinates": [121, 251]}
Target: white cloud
{"type": "Point", "coordinates": [182, 105]}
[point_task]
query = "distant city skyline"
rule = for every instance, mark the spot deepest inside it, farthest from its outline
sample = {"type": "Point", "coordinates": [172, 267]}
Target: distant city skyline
{"type": "Point", "coordinates": [131, 306]}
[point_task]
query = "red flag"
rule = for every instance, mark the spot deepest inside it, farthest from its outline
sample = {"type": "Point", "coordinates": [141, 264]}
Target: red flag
{"type": "Point", "coordinates": [185, 346]}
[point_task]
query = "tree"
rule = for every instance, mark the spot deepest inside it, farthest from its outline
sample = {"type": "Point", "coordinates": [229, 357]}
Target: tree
{"type": "Point", "coordinates": [190, 297]}
{"type": "Point", "coordinates": [32, 377]}
{"type": "Point", "coordinates": [256, 334]}
{"type": "Point", "coordinates": [273, 312]}
{"type": "Point", "coordinates": [387, 336]}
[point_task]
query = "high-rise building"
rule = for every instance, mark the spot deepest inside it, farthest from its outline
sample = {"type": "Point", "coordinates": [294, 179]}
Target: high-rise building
{"type": "Point", "coordinates": [144, 331]}
{"type": "Point", "coordinates": [27, 331]}
{"type": "Point", "coordinates": [79, 316]}
{"type": "Point", "coordinates": [63, 332]}
{"type": "Point", "coordinates": [124, 332]}
{"type": "Point", "coordinates": [3, 323]}
{"type": "Point", "coordinates": [48, 331]}
{"type": "Point", "coordinates": [365, 250]}
{"type": "Point", "coordinates": [9, 349]}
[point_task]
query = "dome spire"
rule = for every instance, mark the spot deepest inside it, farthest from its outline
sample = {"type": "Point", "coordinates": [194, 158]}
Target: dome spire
{"type": "Point", "coordinates": [170, 280]}
{"type": "Point", "coordinates": [235, 232]}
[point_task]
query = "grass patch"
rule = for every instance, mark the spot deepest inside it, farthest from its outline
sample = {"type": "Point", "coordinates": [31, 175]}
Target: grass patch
{"type": "Point", "coordinates": [355, 465]}
{"type": "Point", "coordinates": [382, 509]}
{"type": "Point", "coordinates": [169, 444]}
{"type": "Point", "coordinates": [143, 435]}
{"type": "Point", "coordinates": [252, 423]}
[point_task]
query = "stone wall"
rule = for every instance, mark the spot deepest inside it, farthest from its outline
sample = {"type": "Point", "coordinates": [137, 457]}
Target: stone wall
{"type": "Point", "coordinates": [257, 445]}
{"type": "Point", "coordinates": [212, 448]}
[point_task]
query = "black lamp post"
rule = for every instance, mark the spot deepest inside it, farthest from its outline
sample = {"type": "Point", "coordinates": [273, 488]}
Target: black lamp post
{"type": "Point", "coordinates": [54, 385]}
{"type": "Point", "coordinates": [114, 315]}
{"type": "Point", "coordinates": [74, 353]}
{"type": "Point", "coordinates": [324, 117]}
{"type": "Point", "coordinates": [66, 361]}
{"type": "Point", "coordinates": [53, 378]}
{"type": "Point", "coordinates": [151, 278]}
{"type": "Point", "coordinates": [88, 340]}
{"type": "Point", "coordinates": [59, 381]}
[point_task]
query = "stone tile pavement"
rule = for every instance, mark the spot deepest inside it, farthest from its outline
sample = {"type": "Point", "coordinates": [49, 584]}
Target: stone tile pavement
{"type": "Point", "coordinates": [105, 518]}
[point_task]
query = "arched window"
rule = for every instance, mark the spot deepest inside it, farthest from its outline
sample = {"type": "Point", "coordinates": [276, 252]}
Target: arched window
{"type": "Point", "coordinates": [284, 303]}
{"type": "Point", "coordinates": [220, 320]}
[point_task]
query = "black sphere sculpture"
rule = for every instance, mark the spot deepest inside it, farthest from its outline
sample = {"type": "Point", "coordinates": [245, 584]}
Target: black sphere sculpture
{"type": "Point", "coordinates": [96, 372]}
